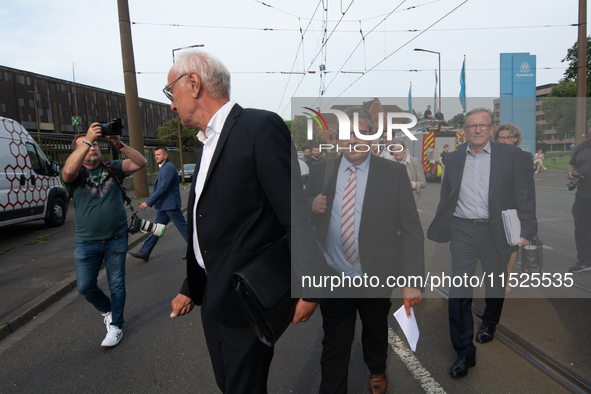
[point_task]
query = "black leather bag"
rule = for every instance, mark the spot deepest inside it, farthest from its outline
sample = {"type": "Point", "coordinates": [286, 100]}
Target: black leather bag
{"type": "Point", "coordinates": [263, 287]}
{"type": "Point", "coordinates": [532, 258]}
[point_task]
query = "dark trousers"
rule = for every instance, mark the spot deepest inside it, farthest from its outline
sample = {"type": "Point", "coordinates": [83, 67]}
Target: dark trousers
{"type": "Point", "coordinates": [582, 217]}
{"type": "Point", "coordinates": [240, 361]}
{"type": "Point", "coordinates": [338, 322]}
{"type": "Point", "coordinates": [469, 244]}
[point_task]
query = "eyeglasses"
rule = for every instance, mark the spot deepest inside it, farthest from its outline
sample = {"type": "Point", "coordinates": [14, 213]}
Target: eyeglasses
{"type": "Point", "coordinates": [509, 138]}
{"type": "Point", "coordinates": [482, 127]}
{"type": "Point", "coordinates": [166, 89]}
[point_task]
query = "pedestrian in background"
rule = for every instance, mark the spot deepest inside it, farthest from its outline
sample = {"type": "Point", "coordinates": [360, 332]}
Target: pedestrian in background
{"type": "Point", "coordinates": [166, 198]}
{"type": "Point", "coordinates": [414, 169]}
{"type": "Point", "coordinates": [539, 160]}
{"type": "Point", "coordinates": [580, 162]}
{"type": "Point", "coordinates": [508, 133]}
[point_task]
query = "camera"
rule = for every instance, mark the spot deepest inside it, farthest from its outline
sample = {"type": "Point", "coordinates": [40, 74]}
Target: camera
{"type": "Point", "coordinates": [572, 185]}
{"type": "Point", "coordinates": [115, 127]}
{"type": "Point", "coordinates": [136, 224]}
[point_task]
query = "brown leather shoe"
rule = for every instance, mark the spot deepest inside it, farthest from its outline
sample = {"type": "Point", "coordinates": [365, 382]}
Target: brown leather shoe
{"type": "Point", "coordinates": [140, 255]}
{"type": "Point", "coordinates": [378, 383]}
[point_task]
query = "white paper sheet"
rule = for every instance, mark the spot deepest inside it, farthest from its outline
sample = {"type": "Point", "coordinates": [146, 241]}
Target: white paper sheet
{"type": "Point", "coordinates": [409, 326]}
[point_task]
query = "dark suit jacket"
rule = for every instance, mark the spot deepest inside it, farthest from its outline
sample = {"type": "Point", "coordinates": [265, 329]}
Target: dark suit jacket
{"type": "Point", "coordinates": [391, 240]}
{"type": "Point", "coordinates": [166, 195]}
{"type": "Point", "coordinates": [511, 187]}
{"type": "Point", "coordinates": [244, 207]}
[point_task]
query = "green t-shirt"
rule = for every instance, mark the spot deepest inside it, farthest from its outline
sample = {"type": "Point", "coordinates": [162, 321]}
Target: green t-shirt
{"type": "Point", "coordinates": [100, 209]}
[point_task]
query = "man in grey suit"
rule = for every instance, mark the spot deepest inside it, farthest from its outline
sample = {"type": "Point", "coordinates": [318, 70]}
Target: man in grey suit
{"type": "Point", "coordinates": [482, 178]}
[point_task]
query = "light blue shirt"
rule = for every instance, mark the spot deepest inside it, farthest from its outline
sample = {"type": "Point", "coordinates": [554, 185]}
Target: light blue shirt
{"type": "Point", "coordinates": [473, 199]}
{"type": "Point", "coordinates": [333, 248]}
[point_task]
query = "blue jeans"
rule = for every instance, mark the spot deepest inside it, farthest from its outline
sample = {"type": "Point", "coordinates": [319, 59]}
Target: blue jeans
{"type": "Point", "coordinates": [163, 217]}
{"type": "Point", "coordinates": [89, 257]}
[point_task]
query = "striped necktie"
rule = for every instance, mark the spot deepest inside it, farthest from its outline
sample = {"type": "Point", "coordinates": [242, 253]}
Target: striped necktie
{"type": "Point", "coordinates": [348, 219]}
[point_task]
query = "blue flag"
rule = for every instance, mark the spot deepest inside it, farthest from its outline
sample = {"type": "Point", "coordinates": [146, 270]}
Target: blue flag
{"type": "Point", "coordinates": [463, 86]}
{"type": "Point", "coordinates": [410, 99]}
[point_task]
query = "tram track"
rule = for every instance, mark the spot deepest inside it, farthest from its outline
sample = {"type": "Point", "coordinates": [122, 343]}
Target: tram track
{"type": "Point", "coordinates": [525, 349]}
{"type": "Point", "coordinates": [548, 365]}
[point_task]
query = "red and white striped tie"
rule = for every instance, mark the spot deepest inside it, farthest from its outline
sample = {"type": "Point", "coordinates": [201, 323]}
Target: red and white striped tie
{"type": "Point", "coordinates": [348, 219]}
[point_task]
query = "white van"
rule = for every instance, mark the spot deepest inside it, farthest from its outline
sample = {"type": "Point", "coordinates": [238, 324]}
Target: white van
{"type": "Point", "coordinates": [30, 188]}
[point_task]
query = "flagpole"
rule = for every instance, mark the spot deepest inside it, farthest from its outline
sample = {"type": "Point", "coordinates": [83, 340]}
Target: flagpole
{"type": "Point", "coordinates": [465, 90]}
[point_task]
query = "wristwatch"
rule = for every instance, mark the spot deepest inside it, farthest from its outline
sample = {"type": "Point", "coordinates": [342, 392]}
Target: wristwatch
{"type": "Point", "coordinates": [121, 145]}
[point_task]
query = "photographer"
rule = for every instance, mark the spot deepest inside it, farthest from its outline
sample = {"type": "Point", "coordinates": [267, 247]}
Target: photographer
{"type": "Point", "coordinates": [101, 221]}
{"type": "Point", "coordinates": [579, 169]}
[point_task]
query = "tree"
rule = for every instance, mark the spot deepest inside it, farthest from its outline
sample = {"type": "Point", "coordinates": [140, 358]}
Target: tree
{"type": "Point", "coordinates": [299, 133]}
{"type": "Point", "coordinates": [169, 132]}
{"type": "Point", "coordinates": [457, 121]}
{"type": "Point", "coordinates": [572, 57]}
{"type": "Point", "coordinates": [560, 106]}
{"type": "Point", "coordinates": [539, 133]}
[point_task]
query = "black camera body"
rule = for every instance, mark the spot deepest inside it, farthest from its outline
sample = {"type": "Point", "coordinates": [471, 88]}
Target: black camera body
{"type": "Point", "coordinates": [578, 178]}
{"type": "Point", "coordinates": [115, 127]}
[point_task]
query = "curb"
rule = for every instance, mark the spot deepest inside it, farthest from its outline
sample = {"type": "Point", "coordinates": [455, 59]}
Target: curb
{"type": "Point", "coordinates": [31, 309]}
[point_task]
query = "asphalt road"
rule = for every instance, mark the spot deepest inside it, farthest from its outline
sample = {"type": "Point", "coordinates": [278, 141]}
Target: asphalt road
{"type": "Point", "coordinates": [59, 350]}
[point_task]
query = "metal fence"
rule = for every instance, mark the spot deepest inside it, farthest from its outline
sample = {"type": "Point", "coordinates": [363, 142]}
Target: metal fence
{"type": "Point", "coordinates": [59, 148]}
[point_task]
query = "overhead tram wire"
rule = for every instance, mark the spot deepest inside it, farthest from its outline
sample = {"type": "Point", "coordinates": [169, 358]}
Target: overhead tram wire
{"type": "Point", "coordinates": [296, 55]}
{"type": "Point", "coordinates": [363, 41]}
{"type": "Point", "coordinates": [323, 45]}
{"type": "Point", "coordinates": [272, 29]}
{"type": "Point", "coordinates": [413, 70]}
{"type": "Point", "coordinates": [402, 46]}
{"type": "Point", "coordinates": [357, 46]}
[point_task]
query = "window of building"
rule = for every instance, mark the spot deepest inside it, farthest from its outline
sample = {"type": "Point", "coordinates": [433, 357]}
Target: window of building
{"type": "Point", "coordinates": [330, 137]}
{"type": "Point", "coordinates": [329, 127]}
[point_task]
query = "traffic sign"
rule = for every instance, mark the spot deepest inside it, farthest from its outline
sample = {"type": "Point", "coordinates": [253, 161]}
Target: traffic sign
{"type": "Point", "coordinates": [76, 120]}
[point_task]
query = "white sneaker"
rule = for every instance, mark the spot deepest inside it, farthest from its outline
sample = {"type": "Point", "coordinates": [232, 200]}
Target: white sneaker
{"type": "Point", "coordinates": [535, 172]}
{"type": "Point", "coordinates": [544, 168]}
{"type": "Point", "coordinates": [113, 336]}
{"type": "Point", "coordinates": [108, 318]}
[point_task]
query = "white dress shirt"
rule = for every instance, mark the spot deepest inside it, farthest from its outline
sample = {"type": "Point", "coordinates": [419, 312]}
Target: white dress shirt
{"type": "Point", "coordinates": [210, 141]}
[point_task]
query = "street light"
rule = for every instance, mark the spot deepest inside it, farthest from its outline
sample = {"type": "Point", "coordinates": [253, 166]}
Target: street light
{"type": "Point", "coordinates": [438, 54]}
{"type": "Point", "coordinates": [36, 114]}
{"type": "Point", "coordinates": [178, 120]}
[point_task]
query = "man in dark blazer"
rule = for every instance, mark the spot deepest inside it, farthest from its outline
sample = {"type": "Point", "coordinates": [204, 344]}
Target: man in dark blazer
{"type": "Point", "coordinates": [482, 178]}
{"type": "Point", "coordinates": [386, 239]}
{"type": "Point", "coordinates": [240, 203]}
{"type": "Point", "coordinates": [166, 198]}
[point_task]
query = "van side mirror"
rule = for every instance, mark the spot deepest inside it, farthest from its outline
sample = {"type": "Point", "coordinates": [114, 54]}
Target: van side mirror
{"type": "Point", "coordinates": [55, 168]}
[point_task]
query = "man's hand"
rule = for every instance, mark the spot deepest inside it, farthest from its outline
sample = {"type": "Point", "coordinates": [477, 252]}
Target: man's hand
{"type": "Point", "coordinates": [115, 139]}
{"type": "Point", "coordinates": [303, 311]}
{"type": "Point", "coordinates": [411, 297]}
{"type": "Point", "coordinates": [523, 242]}
{"type": "Point", "coordinates": [94, 133]}
{"type": "Point", "coordinates": [181, 305]}
{"type": "Point", "coordinates": [319, 204]}
{"type": "Point", "coordinates": [143, 206]}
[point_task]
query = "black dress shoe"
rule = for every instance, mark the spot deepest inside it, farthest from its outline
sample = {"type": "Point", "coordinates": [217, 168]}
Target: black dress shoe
{"type": "Point", "coordinates": [485, 334]}
{"type": "Point", "coordinates": [378, 383]}
{"type": "Point", "coordinates": [460, 367]}
{"type": "Point", "coordinates": [140, 255]}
